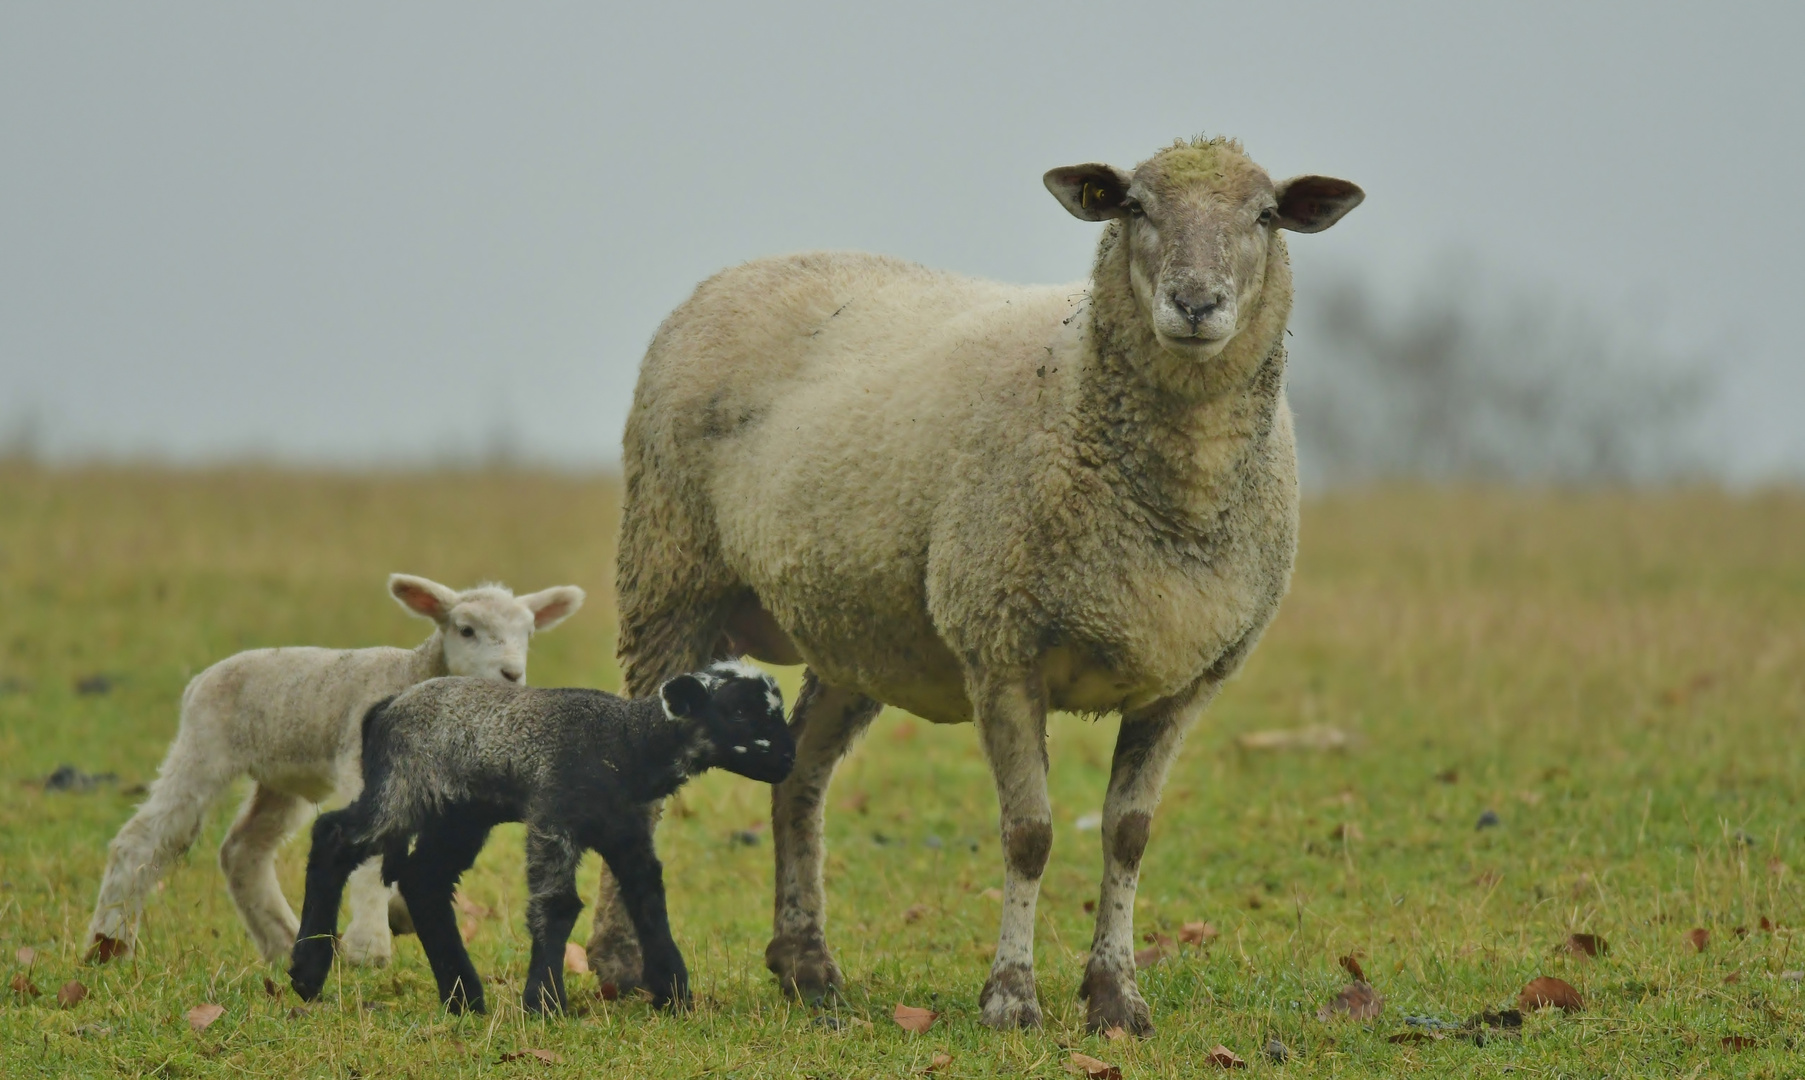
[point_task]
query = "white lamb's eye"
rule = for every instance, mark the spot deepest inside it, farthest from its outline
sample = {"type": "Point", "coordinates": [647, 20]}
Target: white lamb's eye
{"type": "Point", "coordinates": [467, 631]}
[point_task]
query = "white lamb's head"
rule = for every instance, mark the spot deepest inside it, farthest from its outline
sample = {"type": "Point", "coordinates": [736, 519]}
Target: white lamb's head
{"type": "Point", "coordinates": [485, 631]}
{"type": "Point", "coordinates": [1200, 219]}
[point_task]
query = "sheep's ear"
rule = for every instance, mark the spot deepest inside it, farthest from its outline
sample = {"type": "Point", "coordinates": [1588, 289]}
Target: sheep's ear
{"type": "Point", "coordinates": [552, 606]}
{"type": "Point", "coordinates": [422, 597]}
{"type": "Point", "coordinates": [1092, 192]}
{"type": "Point", "coordinates": [1313, 203]}
{"type": "Point", "coordinates": [684, 696]}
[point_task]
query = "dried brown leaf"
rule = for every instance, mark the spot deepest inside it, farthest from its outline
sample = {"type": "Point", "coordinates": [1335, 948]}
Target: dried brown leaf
{"type": "Point", "coordinates": [1351, 964]}
{"type": "Point", "coordinates": [859, 802]}
{"type": "Point", "coordinates": [26, 955]}
{"type": "Point", "coordinates": [1116, 1034]}
{"type": "Point", "coordinates": [543, 1055]}
{"type": "Point", "coordinates": [1587, 945]}
{"type": "Point", "coordinates": [1197, 933]}
{"type": "Point", "coordinates": [1698, 937]}
{"type": "Point", "coordinates": [270, 988]}
{"type": "Point", "coordinates": [1357, 1001]}
{"type": "Point", "coordinates": [914, 913]}
{"type": "Point", "coordinates": [1347, 831]}
{"type": "Point", "coordinates": [1738, 1042]}
{"type": "Point", "coordinates": [201, 1017]}
{"type": "Point", "coordinates": [1087, 1066]}
{"type": "Point", "coordinates": [608, 991]}
{"type": "Point", "coordinates": [22, 984]}
{"type": "Point", "coordinates": [576, 958]}
{"type": "Point", "coordinates": [914, 1020]}
{"type": "Point", "coordinates": [468, 928]}
{"type": "Point", "coordinates": [937, 1062]}
{"type": "Point", "coordinates": [1548, 991]}
{"type": "Point", "coordinates": [1224, 1058]}
{"type": "Point", "coordinates": [470, 907]}
{"type": "Point", "coordinates": [107, 948]}
{"type": "Point", "coordinates": [1766, 926]}
{"type": "Point", "coordinates": [1415, 1037]}
{"type": "Point", "coordinates": [1448, 776]}
{"type": "Point", "coordinates": [1732, 978]}
{"type": "Point", "coordinates": [1090, 907]}
{"type": "Point", "coordinates": [71, 994]}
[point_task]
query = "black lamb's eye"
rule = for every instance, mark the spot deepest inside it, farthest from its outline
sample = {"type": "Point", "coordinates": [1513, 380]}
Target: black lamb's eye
{"type": "Point", "coordinates": [467, 631]}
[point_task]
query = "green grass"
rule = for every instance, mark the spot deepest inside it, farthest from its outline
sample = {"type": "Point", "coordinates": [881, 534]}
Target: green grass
{"type": "Point", "coordinates": [1618, 677]}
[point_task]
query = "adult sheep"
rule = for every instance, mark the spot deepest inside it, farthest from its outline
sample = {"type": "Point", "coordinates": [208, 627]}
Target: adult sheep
{"type": "Point", "coordinates": [979, 502]}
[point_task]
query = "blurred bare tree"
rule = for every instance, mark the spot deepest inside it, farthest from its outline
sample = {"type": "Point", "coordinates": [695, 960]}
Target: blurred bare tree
{"type": "Point", "coordinates": [1474, 381]}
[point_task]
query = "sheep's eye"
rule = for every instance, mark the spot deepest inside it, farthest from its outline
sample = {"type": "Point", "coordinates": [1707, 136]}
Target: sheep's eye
{"type": "Point", "coordinates": [1267, 215]}
{"type": "Point", "coordinates": [1134, 208]}
{"type": "Point", "coordinates": [467, 631]}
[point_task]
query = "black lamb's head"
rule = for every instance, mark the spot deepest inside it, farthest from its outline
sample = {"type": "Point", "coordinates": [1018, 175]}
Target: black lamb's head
{"type": "Point", "coordinates": [740, 711]}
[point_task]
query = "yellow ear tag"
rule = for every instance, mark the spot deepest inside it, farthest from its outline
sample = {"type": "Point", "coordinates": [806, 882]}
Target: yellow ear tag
{"type": "Point", "coordinates": [1084, 197]}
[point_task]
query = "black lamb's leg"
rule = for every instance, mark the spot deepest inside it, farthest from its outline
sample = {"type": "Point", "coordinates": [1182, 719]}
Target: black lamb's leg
{"type": "Point", "coordinates": [640, 878]}
{"type": "Point", "coordinates": [428, 876]}
{"type": "Point", "coordinates": [551, 911]}
{"type": "Point", "coordinates": [335, 853]}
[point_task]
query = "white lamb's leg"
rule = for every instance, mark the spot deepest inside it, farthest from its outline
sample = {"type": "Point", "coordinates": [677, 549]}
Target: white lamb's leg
{"type": "Point", "coordinates": [367, 939]}
{"type": "Point", "coordinates": [163, 828]}
{"type": "Point", "coordinates": [248, 858]}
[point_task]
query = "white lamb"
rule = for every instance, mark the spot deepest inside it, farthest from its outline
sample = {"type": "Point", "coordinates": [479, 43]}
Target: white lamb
{"type": "Point", "coordinates": [291, 719]}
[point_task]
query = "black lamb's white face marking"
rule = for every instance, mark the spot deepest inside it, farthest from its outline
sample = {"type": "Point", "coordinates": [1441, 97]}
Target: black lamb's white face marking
{"type": "Point", "coordinates": [741, 709]}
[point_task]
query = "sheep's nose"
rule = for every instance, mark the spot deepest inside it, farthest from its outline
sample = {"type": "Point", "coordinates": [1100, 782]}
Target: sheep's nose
{"type": "Point", "coordinates": [511, 675]}
{"type": "Point", "coordinates": [1195, 309]}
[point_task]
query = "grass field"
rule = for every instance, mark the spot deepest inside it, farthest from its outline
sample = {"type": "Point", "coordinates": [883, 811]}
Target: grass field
{"type": "Point", "coordinates": [1620, 679]}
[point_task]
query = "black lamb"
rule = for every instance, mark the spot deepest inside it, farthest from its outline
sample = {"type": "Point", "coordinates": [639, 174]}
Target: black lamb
{"type": "Point", "coordinates": [451, 758]}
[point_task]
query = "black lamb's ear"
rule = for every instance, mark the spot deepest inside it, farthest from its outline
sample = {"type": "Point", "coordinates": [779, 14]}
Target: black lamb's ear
{"type": "Point", "coordinates": [684, 696]}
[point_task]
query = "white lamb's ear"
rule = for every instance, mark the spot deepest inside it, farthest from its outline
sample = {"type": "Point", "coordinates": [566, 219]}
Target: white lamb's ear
{"type": "Point", "coordinates": [684, 696]}
{"type": "Point", "coordinates": [552, 606]}
{"type": "Point", "coordinates": [423, 597]}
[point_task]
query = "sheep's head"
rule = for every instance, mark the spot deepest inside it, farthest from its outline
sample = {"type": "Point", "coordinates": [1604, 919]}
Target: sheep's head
{"type": "Point", "coordinates": [1199, 220]}
{"type": "Point", "coordinates": [739, 711]}
{"type": "Point", "coordinates": [485, 631]}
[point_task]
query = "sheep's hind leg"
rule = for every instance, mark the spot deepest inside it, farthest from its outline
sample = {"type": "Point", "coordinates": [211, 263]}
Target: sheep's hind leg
{"type": "Point", "coordinates": [1013, 726]}
{"type": "Point", "coordinates": [1145, 748]}
{"type": "Point", "coordinates": [164, 827]}
{"type": "Point", "coordinates": [428, 877]}
{"type": "Point", "coordinates": [248, 859]}
{"type": "Point", "coordinates": [825, 722]}
{"type": "Point", "coordinates": [334, 854]}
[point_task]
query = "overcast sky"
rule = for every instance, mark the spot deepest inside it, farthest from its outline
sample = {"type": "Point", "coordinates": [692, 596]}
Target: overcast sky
{"type": "Point", "coordinates": [367, 232]}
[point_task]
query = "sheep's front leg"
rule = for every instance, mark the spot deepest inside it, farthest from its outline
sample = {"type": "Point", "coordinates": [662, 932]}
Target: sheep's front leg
{"type": "Point", "coordinates": [1145, 748]}
{"type": "Point", "coordinates": [1012, 723]}
{"type": "Point", "coordinates": [551, 910]}
{"type": "Point", "coordinates": [640, 879]}
{"type": "Point", "coordinates": [334, 854]}
{"type": "Point", "coordinates": [825, 723]}
{"type": "Point", "coordinates": [613, 948]}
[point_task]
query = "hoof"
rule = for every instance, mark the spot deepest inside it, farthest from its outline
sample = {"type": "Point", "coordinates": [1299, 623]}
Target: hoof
{"type": "Point", "coordinates": [366, 947]}
{"type": "Point", "coordinates": [1008, 1001]}
{"type": "Point", "coordinates": [617, 964]}
{"type": "Point", "coordinates": [104, 949]}
{"type": "Point", "coordinates": [400, 922]}
{"type": "Point", "coordinates": [1114, 1001]}
{"type": "Point", "coordinates": [804, 968]}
